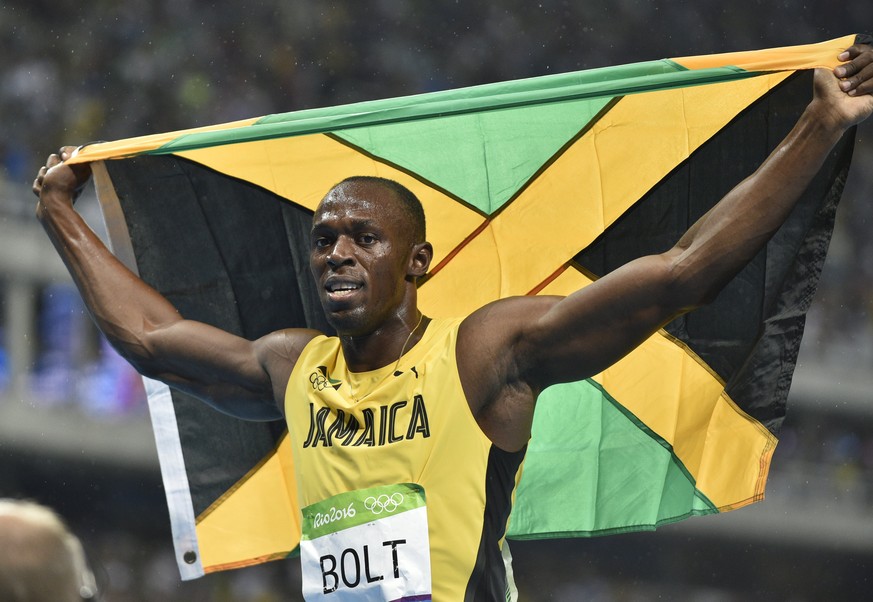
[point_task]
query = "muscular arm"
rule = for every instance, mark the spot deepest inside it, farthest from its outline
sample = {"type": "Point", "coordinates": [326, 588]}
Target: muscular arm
{"type": "Point", "coordinates": [511, 350]}
{"type": "Point", "coordinates": [240, 377]}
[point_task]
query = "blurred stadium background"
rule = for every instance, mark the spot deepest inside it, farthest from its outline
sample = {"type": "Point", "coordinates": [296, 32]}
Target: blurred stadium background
{"type": "Point", "coordinates": [74, 429]}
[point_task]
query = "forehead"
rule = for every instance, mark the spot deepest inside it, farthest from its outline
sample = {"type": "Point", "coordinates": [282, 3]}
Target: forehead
{"type": "Point", "coordinates": [359, 201]}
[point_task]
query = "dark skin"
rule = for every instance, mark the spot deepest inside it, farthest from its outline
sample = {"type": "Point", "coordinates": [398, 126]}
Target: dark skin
{"type": "Point", "coordinates": [366, 265]}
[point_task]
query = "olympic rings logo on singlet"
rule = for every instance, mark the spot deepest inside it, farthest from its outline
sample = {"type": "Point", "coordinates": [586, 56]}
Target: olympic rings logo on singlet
{"type": "Point", "coordinates": [319, 381]}
{"type": "Point", "coordinates": [383, 503]}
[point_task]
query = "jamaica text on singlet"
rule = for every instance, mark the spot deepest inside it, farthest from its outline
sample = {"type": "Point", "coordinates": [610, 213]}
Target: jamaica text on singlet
{"type": "Point", "coordinates": [384, 425]}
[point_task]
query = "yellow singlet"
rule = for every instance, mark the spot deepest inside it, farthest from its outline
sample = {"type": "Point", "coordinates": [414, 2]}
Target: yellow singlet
{"type": "Point", "coordinates": [352, 431]}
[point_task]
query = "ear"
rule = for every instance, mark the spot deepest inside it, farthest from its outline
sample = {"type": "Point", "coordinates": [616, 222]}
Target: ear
{"type": "Point", "coordinates": [419, 259]}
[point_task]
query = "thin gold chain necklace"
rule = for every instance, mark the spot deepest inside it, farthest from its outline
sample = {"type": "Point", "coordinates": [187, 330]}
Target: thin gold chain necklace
{"type": "Point", "coordinates": [394, 372]}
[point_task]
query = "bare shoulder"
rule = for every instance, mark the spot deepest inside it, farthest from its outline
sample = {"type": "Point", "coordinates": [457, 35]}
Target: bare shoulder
{"type": "Point", "coordinates": [490, 342]}
{"type": "Point", "coordinates": [278, 353]}
{"type": "Point", "coordinates": [491, 354]}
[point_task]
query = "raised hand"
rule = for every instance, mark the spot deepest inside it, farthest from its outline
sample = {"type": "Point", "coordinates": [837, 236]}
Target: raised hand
{"type": "Point", "coordinates": [856, 74]}
{"type": "Point", "coordinates": [57, 176]}
{"type": "Point", "coordinates": [847, 91]}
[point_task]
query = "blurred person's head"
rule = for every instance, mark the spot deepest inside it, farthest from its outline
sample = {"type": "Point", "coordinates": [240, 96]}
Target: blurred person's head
{"type": "Point", "coordinates": [40, 559]}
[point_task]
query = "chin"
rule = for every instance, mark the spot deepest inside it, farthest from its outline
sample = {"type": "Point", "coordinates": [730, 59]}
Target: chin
{"type": "Point", "coordinates": [351, 322]}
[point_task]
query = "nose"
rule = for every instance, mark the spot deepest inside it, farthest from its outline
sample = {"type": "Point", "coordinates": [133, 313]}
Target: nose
{"type": "Point", "coordinates": [341, 253]}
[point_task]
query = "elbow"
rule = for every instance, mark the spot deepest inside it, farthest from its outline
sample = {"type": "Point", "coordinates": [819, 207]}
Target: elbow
{"type": "Point", "coordinates": [138, 357]}
{"type": "Point", "coordinates": [146, 369]}
{"type": "Point", "coordinates": [139, 349]}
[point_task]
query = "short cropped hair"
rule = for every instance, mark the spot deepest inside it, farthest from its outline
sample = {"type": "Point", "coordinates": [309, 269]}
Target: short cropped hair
{"type": "Point", "coordinates": [409, 202]}
{"type": "Point", "coordinates": [40, 558]}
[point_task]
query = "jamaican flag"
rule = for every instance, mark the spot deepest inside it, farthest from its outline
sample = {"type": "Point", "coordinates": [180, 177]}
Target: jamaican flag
{"type": "Point", "coordinates": [537, 186]}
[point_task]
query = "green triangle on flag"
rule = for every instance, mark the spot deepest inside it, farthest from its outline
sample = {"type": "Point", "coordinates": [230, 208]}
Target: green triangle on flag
{"type": "Point", "coordinates": [482, 158]}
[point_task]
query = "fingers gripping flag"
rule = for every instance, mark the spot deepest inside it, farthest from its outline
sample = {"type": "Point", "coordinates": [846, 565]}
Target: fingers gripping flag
{"type": "Point", "coordinates": [536, 186]}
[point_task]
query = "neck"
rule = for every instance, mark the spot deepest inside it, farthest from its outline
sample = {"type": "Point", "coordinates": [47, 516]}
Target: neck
{"type": "Point", "coordinates": [386, 345]}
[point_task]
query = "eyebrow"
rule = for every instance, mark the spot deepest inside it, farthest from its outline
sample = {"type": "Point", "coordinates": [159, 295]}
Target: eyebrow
{"type": "Point", "coordinates": [357, 224]}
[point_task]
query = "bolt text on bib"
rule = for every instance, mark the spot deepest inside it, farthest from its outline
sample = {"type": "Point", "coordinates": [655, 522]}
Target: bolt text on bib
{"type": "Point", "coordinates": [355, 568]}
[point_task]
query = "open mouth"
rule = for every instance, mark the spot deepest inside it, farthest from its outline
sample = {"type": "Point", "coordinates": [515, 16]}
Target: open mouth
{"type": "Point", "coordinates": [338, 289]}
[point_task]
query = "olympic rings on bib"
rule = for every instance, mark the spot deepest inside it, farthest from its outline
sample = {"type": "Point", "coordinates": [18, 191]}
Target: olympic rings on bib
{"type": "Point", "coordinates": [383, 503]}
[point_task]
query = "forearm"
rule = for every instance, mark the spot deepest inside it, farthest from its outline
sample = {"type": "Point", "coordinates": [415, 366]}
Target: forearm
{"type": "Point", "coordinates": [726, 238]}
{"type": "Point", "coordinates": [124, 307]}
{"type": "Point", "coordinates": [591, 329]}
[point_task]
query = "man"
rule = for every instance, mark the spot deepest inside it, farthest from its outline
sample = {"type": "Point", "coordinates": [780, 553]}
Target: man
{"type": "Point", "coordinates": [456, 395]}
{"type": "Point", "coordinates": [40, 559]}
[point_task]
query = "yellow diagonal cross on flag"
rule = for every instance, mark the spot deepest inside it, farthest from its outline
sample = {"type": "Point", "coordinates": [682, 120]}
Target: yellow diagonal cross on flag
{"type": "Point", "coordinates": [537, 186]}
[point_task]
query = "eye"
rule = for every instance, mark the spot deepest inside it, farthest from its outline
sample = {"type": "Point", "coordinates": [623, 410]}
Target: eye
{"type": "Point", "coordinates": [366, 239]}
{"type": "Point", "coordinates": [320, 242]}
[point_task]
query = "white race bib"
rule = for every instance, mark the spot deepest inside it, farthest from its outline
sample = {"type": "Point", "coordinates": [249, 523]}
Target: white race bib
{"type": "Point", "coordinates": [369, 544]}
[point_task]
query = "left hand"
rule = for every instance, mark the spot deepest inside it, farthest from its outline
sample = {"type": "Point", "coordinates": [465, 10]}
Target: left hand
{"type": "Point", "coordinates": [846, 93]}
{"type": "Point", "coordinates": [856, 75]}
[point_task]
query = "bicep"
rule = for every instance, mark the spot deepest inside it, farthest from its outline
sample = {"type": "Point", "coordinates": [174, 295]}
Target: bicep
{"type": "Point", "coordinates": [228, 372]}
{"type": "Point", "coordinates": [589, 330]}
{"type": "Point", "coordinates": [512, 349]}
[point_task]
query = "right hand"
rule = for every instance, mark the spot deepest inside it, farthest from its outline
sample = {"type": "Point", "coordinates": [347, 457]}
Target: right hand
{"type": "Point", "coordinates": [57, 176]}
